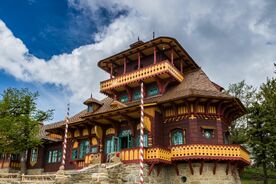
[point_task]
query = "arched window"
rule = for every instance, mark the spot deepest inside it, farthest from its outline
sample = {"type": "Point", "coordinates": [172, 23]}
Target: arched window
{"type": "Point", "coordinates": [84, 148]}
{"type": "Point", "coordinates": [34, 154]}
{"type": "Point", "coordinates": [152, 90]}
{"type": "Point", "coordinates": [177, 137]}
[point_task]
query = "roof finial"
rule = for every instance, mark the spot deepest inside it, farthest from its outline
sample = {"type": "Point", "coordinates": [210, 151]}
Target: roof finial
{"type": "Point", "coordinates": [153, 35]}
{"type": "Point", "coordinates": [91, 95]}
{"type": "Point", "coordinates": [138, 39]}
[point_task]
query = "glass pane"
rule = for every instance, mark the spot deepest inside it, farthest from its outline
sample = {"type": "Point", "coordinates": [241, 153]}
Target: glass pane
{"type": "Point", "coordinates": [74, 154]}
{"type": "Point", "coordinates": [136, 95]}
{"type": "Point", "coordinates": [152, 91]}
{"type": "Point", "coordinates": [54, 156]}
{"type": "Point", "coordinates": [49, 156]}
{"type": "Point", "coordinates": [34, 155]}
{"type": "Point", "coordinates": [59, 155]}
{"type": "Point", "coordinates": [124, 98]}
{"type": "Point", "coordinates": [94, 150]}
{"type": "Point", "coordinates": [177, 137]}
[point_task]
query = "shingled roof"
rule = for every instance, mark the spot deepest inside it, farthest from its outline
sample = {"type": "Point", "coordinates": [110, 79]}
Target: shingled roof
{"type": "Point", "coordinates": [195, 83]}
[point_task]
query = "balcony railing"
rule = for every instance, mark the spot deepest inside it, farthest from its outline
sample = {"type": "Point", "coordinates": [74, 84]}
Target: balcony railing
{"type": "Point", "coordinates": [186, 152]}
{"type": "Point", "coordinates": [141, 74]}
{"type": "Point", "coordinates": [220, 152]}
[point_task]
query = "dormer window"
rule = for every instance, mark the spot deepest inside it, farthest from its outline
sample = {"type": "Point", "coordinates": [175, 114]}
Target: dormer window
{"type": "Point", "coordinates": [92, 104]}
{"type": "Point", "coordinates": [90, 108]}
{"type": "Point", "coordinates": [152, 90]}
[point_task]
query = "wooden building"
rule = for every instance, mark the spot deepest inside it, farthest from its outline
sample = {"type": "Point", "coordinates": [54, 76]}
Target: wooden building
{"type": "Point", "coordinates": [187, 116]}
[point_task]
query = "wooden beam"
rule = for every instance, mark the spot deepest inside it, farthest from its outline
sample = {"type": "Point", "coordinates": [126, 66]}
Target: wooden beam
{"type": "Point", "coordinates": [234, 167]}
{"type": "Point", "coordinates": [151, 168]}
{"type": "Point", "coordinates": [176, 169]}
{"type": "Point", "coordinates": [159, 169]}
{"type": "Point", "coordinates": [227, 167]}
{"type": "Point", "coordinates": [191, 167]}
{"type": "Point", "coordinates": [201, 167]}
{"type": "Point", "coordinates": [215, 167]}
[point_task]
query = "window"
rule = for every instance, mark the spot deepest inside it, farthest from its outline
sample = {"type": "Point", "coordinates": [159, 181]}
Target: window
{"type": "Point", "coordinates": [54, 156]}
{"type": "Point", "coordinates": [136, 95]}
{"type": "Point", "coordinates": [89, 108]}
{"type": "Point", "coordinates": [152, 90]}
{"type": "Point", "coordinates": [84, 148]}
{"type": "Point", "coordinates": [74, 154]}
{"type": "Point", "coordinates": [124, 98]}
{"type": "Point", "coordinates": [94, 149]}
{"type": "Point", "coordinates": [34, 154]}
{"type": "Point", "coordinates": [59, 155]}
{"type": "Point", "coordinates": [49, 156]}
{"type": "Point", "coordinates": [145, 140]}
{"type": "Point", "coordinates": [177, 137]}
{"type": "Point", "coordinates": [208, 133]}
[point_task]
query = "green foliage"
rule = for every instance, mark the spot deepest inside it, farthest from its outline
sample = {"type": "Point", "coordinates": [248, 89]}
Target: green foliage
{"type": "Point", "coordinates": [20, 120]}
{"type": "Point", "coordinates": [261, 124]}
{"type": "Point", "coordinates": [247, 95]}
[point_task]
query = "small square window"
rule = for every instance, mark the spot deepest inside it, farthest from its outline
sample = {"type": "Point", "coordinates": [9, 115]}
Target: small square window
{"type": "Point", "coordinates": [124, 98]}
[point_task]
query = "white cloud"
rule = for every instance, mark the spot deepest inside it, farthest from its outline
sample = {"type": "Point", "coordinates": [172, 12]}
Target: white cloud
{"type": "Point", "coordinates": [227, 38]}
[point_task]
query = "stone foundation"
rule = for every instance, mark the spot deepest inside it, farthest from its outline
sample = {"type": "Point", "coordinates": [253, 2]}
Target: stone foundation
{"type": "Point", "coordinates": [35, 171]}
{"type": "Point", "coordinates": [129, 174]}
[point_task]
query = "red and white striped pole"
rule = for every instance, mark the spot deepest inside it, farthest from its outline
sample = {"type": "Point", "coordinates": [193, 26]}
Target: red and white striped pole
{"type": "Point", "coordinates": [62, 167]}
{"type": "Point", "coordinates": [141, 150]}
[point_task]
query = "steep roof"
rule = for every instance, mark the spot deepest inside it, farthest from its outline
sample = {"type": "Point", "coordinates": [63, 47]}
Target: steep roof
{"type": "Point", "coordinates": [195, 83]}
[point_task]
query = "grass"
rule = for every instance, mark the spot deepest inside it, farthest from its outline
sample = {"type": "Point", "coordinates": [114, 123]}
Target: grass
{"type": "Point", "coordinates": [254, 175]}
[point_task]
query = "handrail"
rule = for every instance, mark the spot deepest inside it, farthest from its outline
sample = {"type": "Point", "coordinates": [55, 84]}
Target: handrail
{"type": "Point", "coordinates": [133, 76]}
{"type": "Point", "coordinates": [190, 151]}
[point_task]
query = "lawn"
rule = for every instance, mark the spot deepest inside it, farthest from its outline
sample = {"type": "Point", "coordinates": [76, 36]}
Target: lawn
{"type": "Point", "coordinates": [253, 175]}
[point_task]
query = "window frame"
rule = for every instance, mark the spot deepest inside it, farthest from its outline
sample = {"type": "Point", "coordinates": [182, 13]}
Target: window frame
{"type": "Point", "coordinates": [183, 133]}
{"type": "Point", "coordinates": [34, 155]}
{"type": "Point", "coordinates": [154, 87]}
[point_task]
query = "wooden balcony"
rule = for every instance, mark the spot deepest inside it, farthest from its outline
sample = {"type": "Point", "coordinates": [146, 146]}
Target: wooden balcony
{"type": "Point", "coordinates": [188, 152]}
{"type": "Point", "coordinates": [210, 152]}
{"type": "Point", "coordinates": [162, 69]}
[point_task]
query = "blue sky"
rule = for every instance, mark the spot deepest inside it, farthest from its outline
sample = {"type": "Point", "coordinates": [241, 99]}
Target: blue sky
{"type": "Point", "coordinates": [53, 46]}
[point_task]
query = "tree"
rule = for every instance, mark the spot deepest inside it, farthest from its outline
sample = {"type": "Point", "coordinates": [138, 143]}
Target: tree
{"type": "Point", "coordinates": [261, 126]}
{"type": "Point", "coordinates": [20, 122]}
{"type": "Point", "coordinates": [247, 94]}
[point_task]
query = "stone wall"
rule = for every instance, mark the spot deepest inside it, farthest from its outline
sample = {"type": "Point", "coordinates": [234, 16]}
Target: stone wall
{"type": "Point", "coordinates": [129, 174]}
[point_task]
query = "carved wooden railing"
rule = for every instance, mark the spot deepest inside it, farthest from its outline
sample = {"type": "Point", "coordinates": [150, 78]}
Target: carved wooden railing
{"type": "Point", "coordinates": [157, 155]}
{"type": "Point", "coordinates": [220, 152]}
{"type": "Point", "coordinates": [152, 70]}
{"type": "Point", "coordinates": [186, 152]}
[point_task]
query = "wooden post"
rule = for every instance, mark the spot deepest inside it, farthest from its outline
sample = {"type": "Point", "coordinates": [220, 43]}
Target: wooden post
{"type": "Point", "coordinates": [139, 61]}
{"type": "Point", "coordinates": [125, 65]}
{"type": "Point", "coordinates": [181, 66]}
{"type": "Point", "coordinates": [154, 55]}
{"type": "Point", "coordinates": [62, 167]}
{"type": "Point", "coordinates": [172, 57]}
{"type": "Point", "coordinates": [111, 71]}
